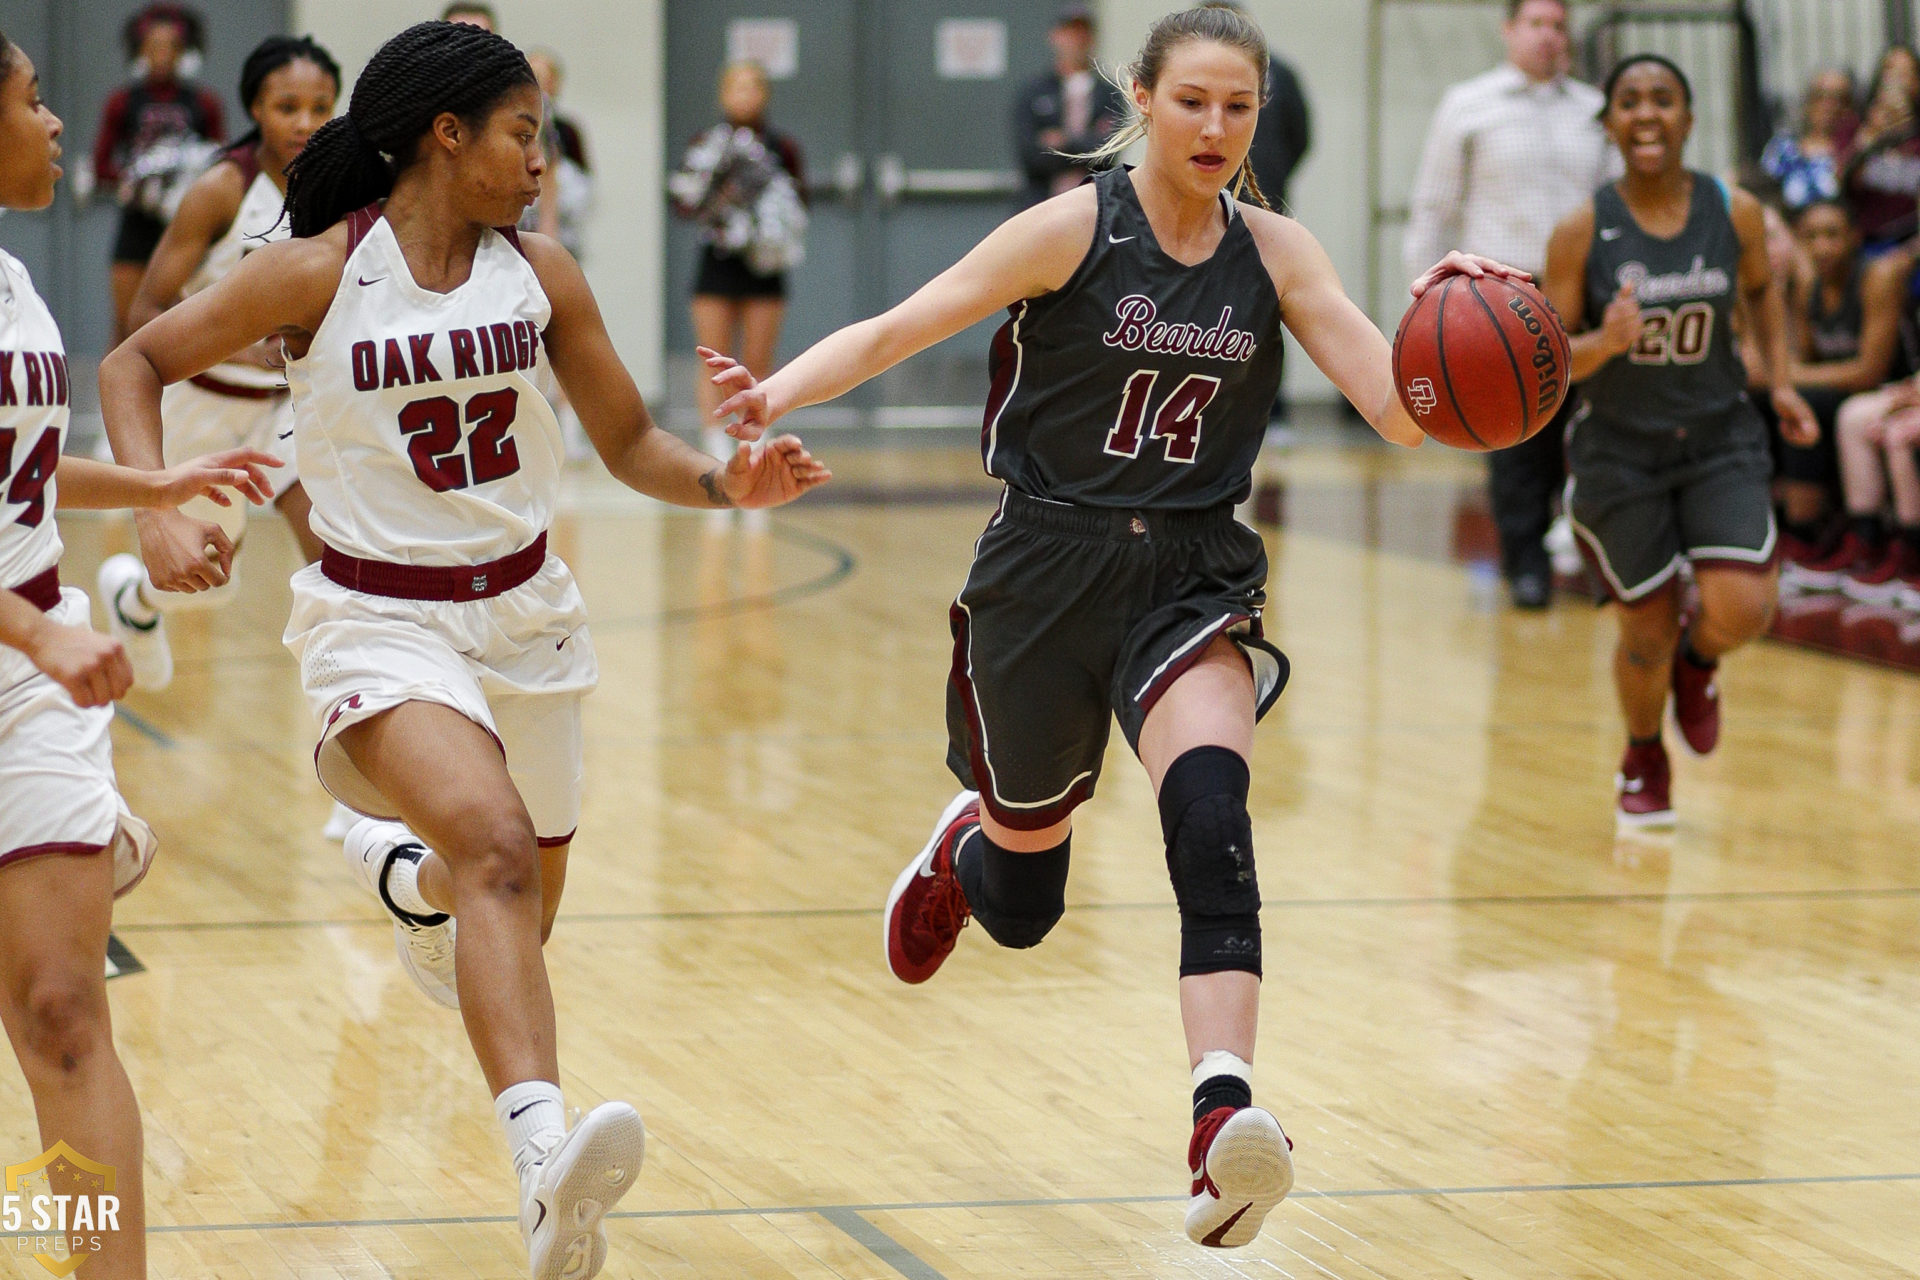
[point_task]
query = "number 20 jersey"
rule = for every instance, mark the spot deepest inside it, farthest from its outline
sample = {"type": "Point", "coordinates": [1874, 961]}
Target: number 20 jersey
{"type": "Point", "coordinates": [422, 433]}
{"type": "Point", "coordinates": [34, 395]}
{"type": "Point", "coordinates": [1141, 382]}
{"type": "Point", "coordinates": [1685, 371]}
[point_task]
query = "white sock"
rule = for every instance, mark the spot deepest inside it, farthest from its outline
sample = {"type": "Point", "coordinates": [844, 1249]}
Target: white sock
{"type": "Point", "coordinates": [403, 883]}
{"type": "Point", "coordinates": [534, 1119]}
{"type": "Point", "coordinates": [1219, 1062]}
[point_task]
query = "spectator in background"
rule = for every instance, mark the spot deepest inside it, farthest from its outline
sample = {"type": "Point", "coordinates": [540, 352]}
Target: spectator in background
{"type": "Point", "coordinates": [1844, 333]}
{"type": "Point", "coordinates": [1806, 162]}
{"type": "Point", "coordinates": [741, 181]}
{"type": "Point", "coordinates": [1065, 113]}
{"type": "Point", "coordinates": [1280, 142]}
{"type": "Point", "coordinates": [566, 195]}
{"type": "Point", "coordinates": [155, 137]}
{"type": "Point", "coordinates": [1880, 174]}
{"type": "Point", "coordinates": [474, 15]}
{"type": "Point", "coordinates": [1509, 154]}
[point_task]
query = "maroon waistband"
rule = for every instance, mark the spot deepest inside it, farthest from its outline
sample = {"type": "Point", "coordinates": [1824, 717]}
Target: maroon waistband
{"type": "Point", "coordinates": [207, 382]}
{"type": "Point", "coordinates": [435, 582]}
{"type": "Point", "coordinates": [42, 591]}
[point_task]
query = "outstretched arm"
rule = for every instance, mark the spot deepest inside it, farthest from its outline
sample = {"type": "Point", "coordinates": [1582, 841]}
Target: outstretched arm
{"type": "Point", "coordinates": [1031, 253]}
{"type": "Point", "coordinates": [636, 451]}
{"type": "Point", "coordinates": [87, 485]}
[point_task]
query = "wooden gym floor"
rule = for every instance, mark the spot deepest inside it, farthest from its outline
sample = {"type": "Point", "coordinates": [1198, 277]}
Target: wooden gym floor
{"type": "Point", "coordinates": [1507, 1045]}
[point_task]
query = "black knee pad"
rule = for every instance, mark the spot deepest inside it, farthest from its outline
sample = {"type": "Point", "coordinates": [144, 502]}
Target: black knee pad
{"type": "Point", "coordinates": [1203, 815]}
{"type": "Point", "coordinates": [1016, 897]}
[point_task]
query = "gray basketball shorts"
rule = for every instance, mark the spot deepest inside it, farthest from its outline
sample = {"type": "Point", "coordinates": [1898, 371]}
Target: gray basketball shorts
{"type": "Point", "coordinates": [1643, 505]}
{"type": "Point", "coordinates": [1072, 616]}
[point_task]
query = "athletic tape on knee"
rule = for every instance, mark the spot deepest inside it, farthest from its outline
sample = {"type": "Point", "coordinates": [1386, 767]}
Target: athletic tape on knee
{"type": "Point", "coordinates": [1203, 815]}
{"type": "Point", "coordinates": [1016, 897]}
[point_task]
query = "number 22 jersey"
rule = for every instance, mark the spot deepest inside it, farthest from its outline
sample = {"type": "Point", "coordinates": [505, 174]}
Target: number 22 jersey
{"type": "Point", "coordinates": [1141, 382]}
{"type": "Point", "coordinates": [422, 433]}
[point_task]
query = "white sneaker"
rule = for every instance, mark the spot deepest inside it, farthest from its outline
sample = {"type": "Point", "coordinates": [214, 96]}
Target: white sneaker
{"type": "Point", "coordinates": [339, 822]}
{"type": "Point", "coordinates": [1562, 548]}
{"type": "Point", "coordinates": [1242, 1166]}
{"type": "Point", "coordinates": [423, 943]}
{"type": "Point", "coordinates": [564, 1197]}
{"type": "Point", "coordinates": [146, 643]}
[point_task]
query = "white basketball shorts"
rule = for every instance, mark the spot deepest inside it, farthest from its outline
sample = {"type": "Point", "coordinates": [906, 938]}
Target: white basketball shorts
{"type": "Point", "coordinates": [57, 789]}
{"type": "Point", "coordinates": [516, 664]}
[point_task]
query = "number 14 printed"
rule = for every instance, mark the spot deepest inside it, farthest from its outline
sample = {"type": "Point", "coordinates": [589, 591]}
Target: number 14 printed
{"type": "Point", "coordinates": [1177, 422]}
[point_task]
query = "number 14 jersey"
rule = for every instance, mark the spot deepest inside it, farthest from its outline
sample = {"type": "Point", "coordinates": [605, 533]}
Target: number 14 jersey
{"type": "Point", "coordinates": [422, 433]}
{"type": "Point", "coordinates": [1141, 382]}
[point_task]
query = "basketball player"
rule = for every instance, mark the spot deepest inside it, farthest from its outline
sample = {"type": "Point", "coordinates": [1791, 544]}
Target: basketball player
{"type": "Point", "coordinates": [1670, 463]}
{"type": "Point", "coordinates": [288, 85]}
{"type": "Point", "coordinates": [443, 651]}
{"type": "Point", "coordinates": [68, 845]}
{"type": "Point", "coordinates": [1130, 394]}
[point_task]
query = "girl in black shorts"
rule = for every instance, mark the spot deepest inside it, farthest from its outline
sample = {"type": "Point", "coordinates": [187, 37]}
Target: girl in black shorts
{"type": "Point", "coordinates": [1670, 463]}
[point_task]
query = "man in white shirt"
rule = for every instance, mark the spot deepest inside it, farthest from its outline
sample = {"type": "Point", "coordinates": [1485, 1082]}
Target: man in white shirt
{"type": "Point", "coordinates": [1508, 155]}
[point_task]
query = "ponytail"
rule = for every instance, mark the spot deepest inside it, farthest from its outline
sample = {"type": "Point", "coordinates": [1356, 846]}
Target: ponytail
{"type": "Point", "coordinates": [429, 69]}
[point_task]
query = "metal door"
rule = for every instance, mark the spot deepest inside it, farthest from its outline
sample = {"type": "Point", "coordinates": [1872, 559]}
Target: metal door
{"type": "Point", "coordinates": [903, 109]}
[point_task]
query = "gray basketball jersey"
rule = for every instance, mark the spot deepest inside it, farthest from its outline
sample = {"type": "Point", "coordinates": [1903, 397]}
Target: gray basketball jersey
{"type": "Point", "coordinates": [1686, 368]}
{"type": "Point", "coordinates": [1140, 382]}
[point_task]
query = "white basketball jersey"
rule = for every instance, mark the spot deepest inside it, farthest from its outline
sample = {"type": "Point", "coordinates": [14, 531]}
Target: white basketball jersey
{"type": "Point", "coordinates": [260, 221]}
{"type": "Point", "coordinates": [420, 431]}
{"type": "Point", "coordinates": [34, 393]}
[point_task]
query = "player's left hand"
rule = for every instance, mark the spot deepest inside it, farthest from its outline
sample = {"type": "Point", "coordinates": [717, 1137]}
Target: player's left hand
{"type": "Point", "coordinates": [1798, 426]}
{"type": "Point", "coordinates": [768, 473]}
{"type": "Point", "coordinates": [211, 475]}
{"type": "Point", "coordinates": [1465, 264]}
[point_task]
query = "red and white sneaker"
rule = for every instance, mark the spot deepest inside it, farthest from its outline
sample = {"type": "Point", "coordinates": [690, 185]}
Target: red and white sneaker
{"type": "Point", "coordinates": [1827, 572]}
{"type": "Point", "coordinates": [1645, 787]}
{"type": "Point", "coordinates": [927, 909]}
{"type": "Point", "coordinates": [1242, 1166]}
{"type": "Point", "coordinates": [1878, 581]}
{"type": "Point", "coordinates": [1696, 702]}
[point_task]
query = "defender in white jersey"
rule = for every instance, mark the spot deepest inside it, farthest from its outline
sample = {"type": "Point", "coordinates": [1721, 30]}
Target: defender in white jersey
{"type": "Point", "coordinates": [443, 650]}
{"type": "Point", "coordinates": [68, 844]}
{"type": "Point", "coordinates": [289, 85]}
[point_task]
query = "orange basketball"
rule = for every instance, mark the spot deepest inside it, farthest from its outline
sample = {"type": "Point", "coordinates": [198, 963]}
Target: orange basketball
{"type": "Point", "coordinates": [1481, 364]}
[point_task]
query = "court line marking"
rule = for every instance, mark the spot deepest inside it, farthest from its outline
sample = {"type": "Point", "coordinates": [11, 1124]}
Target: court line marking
{"type": "Point", "coordinates": [143, 727]}
{"type": "Point", "coordinates": [1894, 893]}
{"type": "Point", "coordinates": [830, 1211]}
{"type": "Point", "coordinates": [881, 1245]}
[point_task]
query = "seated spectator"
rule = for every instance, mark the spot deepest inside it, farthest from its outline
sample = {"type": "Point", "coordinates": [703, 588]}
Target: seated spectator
{"type": "Point", "coordinates": [1876, 562]}
{"type": "Point", "coordinates": [1805, 162]}
{"type": "Point", "coordinates": [1880, 175]}
{"type": "Point", "coordinates": [1845, 327]}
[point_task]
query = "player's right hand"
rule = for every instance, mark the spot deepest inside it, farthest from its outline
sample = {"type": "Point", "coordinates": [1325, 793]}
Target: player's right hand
{"type": "Point", "coordinates": [210, 476]}
{"type": "Point", "coordinates": [182, 553]}
{"type": "Point", "coordinates": [91, 667]}
{"type": "Point", "coordinates": [1622, 323]}
{"type": "Point", "coordinates": [747, 403]}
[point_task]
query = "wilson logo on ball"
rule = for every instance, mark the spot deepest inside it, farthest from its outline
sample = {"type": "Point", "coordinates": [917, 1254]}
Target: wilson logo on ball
{"type": "Point", "coordinates": [1424, 397]}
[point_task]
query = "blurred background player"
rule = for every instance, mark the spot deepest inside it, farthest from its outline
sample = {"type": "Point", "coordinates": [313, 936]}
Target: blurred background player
{"type": "Point", "coordinates": [443, 651]}
{"type": "Point", "coordinates": [1509, 153]}
{"type": "Point", "coordinates": [155, 136]}
{"type": "Point", "coordinates": [1670, 465]}
{"type": "Point", "coordinates": [1067, 112]}
{"type": "Point", "coordinates": [288, 86]}
{"type": "Point", "coordinates": [68, 844]}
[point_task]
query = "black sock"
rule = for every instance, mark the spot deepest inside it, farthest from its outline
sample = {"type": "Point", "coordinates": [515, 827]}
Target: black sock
{"type": "Point", "coordinates": [1221, 1091]}
{"type": "Point", "coordinates": [1653, 741]}
{"type": "Point", "coordinates": [1871, 530]}
{"type": "Point", "coordinates": [1690, 654]}
{"type": "Point", "coordinates": [1807, 531]}
{"type": "Point", "coordinates": [1016, 897]}
{"type": "Point", "coordinates": [1910, 534]}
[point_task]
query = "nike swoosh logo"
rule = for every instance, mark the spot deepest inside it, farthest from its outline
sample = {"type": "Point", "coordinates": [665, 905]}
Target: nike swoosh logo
{"type": "Point", "coordinates": [1634, 786]}
{"type": "Point", "coordinates": [284, 435]}
{"type": "Point", "coordinates": [562, 643]}
{"type": "Point", "coordinates": [1611, 233]}
{"type": "Point", "coordinates": [1114, 239]}
{"type": "Point", "coordinates": [537, 1221]}
{"type": "Point", "coordinates": [364, 282]}
{"type": "Point", "coordinates": [515, 1115]}
{"type": "Point", "coordinates": [1215, 1236]}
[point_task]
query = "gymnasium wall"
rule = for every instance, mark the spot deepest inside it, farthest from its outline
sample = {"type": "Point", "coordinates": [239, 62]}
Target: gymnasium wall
{"type": "Point", "coordinates": [611, 50]}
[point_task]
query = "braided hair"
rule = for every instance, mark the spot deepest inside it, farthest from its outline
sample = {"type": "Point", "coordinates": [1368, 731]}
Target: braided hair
{"type": "Point", "coordinates": [428, 69]}
{"type": "Point", "coordinates": [268, 57]}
